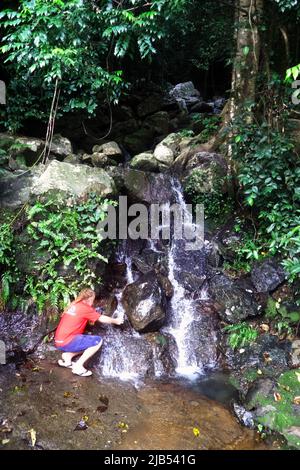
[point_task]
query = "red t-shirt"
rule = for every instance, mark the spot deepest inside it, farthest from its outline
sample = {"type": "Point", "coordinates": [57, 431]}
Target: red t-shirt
{"type": "Point", "coordinates": [73, 322]}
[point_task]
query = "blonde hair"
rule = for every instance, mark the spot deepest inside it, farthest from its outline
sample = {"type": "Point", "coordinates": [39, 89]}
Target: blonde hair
{"type": "Point", "coordinates": [85, 294]}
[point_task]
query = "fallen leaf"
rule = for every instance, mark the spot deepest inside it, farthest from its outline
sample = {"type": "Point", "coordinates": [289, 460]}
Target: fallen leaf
{"type": "Point", "coordinates": [5, 441]}
{"type": "Point", "coordinates": [122, 425]}
{"type": "Point", "coordinates": [41, 387]}
{"type": "Point", "coordinates": [196, 432]}
{"type": "Point", "coordinates": [32, 433]}
{"type": "Point", "coordinates": [277, 396]}
{"type": "Point", "coordinates": [296, 401]}
{"type": "Point", "coordinates": [85, 418]}
{"type": "Point", "coordinates": [264, 327]}
{"type": "Point", "coordinates": [267, 357]}
{"type": "Point", "coordinates": [104, 399]}
{"type": "Point", "coordinates": [102, 408]}
{"type": "Point", "coordinates": [67, 394]}
{"type": "Point", "coordinates": [259, 372]}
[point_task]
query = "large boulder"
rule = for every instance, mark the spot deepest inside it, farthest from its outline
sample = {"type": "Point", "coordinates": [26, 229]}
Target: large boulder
{"type": "Point", "coordinates": [147, 187]}
{"type": "Point", "coordinates": [234, 303]}
{"type": "Point", "coordinates": [210, 170]}
{"type": "Point", "coordinates": [31, 148]}
{"type": "Point", "coordinates": [164, 154]}
{"type": "Point", "coordinates": [144, 162]}
{"type": "Point", "coordinates": [185, 95]}
{"type": "Point", "coordinates": [267, 276]}
{"type": "Point", "coordinates": [76, 180]}
{"type": "Point", "coordinates": [57, 178]}
{"type": "Point", "coordinates": [144, 303]}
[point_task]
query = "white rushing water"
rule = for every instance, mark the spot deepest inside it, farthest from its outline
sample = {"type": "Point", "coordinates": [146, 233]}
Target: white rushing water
{"type": "Point", "coordinates": [127, 354]}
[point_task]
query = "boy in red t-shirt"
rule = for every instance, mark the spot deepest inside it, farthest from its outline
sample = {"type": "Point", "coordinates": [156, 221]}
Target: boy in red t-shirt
{"type": "Point", "coordinates": [69, 337]}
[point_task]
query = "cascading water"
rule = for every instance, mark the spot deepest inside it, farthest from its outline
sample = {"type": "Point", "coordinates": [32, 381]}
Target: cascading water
{"type": "Point", "coordinates": [128, 354]}
{"type": "Point", "coordinates": [183, 306]}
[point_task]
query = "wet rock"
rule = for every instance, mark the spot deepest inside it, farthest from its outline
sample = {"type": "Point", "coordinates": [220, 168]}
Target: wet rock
{"type": "Point", "coordinates": [234, 303]}
{"type": "Point", "coordinates": [211, 170]}
{"type": "Point", "coordinates": [259, 389]}
{"type": "Point", "coordinates": [147, 260]}
{"type": "Point", "coordinates": [267, 354]}
{"type": "Point", "coordinates": [243, 416]}
{"type": "Point", "coordinates": [21, 332]}
{"type": "Point", "coordinates": [144, 303]}
{"type": "Point", "coordinates": [267, 276]}
{"type": "Point", "coordinates": [192, 282]}
{"type": "Point", "coordinates": [166, 285]}
{"type": "Point", "coordinates": [272, 405]}
{"type": "Point", "coordinates": [144, 162]}
{"type": "Point", "coordinates": [137, 362]}
{"type": "Point", "coordinates": [214, 255]}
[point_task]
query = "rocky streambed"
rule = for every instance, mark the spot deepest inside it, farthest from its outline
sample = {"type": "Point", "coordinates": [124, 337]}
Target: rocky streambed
{"type": "Point", "coordinates": [46, 407]}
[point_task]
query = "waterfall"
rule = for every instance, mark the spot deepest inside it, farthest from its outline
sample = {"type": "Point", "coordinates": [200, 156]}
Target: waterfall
{"type": "Point", "coordinates": [183, 306]}
{"type": "Point", "coordinates": [130, 355]}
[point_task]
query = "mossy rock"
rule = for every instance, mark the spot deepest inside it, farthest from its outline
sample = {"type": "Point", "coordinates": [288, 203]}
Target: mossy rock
{"type": "Point", "coordinates": [276, 405]}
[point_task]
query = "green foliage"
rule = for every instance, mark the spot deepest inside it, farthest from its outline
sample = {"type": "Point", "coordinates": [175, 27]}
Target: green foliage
{"type": "Point", "coordinates": [284, 320]}
{"type": "Point", "coordinates": [240, 335]}
{"type": "Point", "coordinates": [71, 42]}
{"type": "Point", "coordinates": [206, 187]}
{"type": "Point", "coordinates": [210, 125]}
{"type": "Point", "coordinates": [269, 176]}
{"type": "Point", "coordinates": [68, 246]}
{"type": "Point", "coordinates": [280, 415]}
{"type": "Point", "coordinates": [69, 234]}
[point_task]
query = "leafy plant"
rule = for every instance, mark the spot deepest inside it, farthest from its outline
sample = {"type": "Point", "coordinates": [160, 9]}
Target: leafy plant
{"type": "Point", "coordinates": [269, 177]}
{"type": "Point", "coordinates": [69, 234]}
{"type": "Point", "coordinates": [284, 320]}
{"type": "Point", "coordinates": [69, 46]}
{"type": "Point", "coordinates": [240, 335]}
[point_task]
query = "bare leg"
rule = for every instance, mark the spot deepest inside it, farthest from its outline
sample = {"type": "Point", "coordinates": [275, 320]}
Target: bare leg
{"type": "Point", "coordinates": [88, 353]}
{"type": "Point", "coordinates": [68, 356]}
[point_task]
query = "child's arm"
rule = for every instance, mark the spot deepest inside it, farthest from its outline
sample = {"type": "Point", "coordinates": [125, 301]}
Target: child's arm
{"type": "Point", "coordinates": [110, 321]}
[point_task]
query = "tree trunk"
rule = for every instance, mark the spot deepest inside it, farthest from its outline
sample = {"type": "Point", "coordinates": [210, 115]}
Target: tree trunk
{"type": "Point", "coordinates": [246, 63]}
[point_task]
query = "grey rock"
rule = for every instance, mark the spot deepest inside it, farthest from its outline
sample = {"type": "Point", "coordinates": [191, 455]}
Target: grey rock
{"type": "Point", "coordinates": [267, 276]}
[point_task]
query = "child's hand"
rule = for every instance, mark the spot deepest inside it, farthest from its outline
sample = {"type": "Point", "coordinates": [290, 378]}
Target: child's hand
{"type": "Point", "coordinates": [119, 321]}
